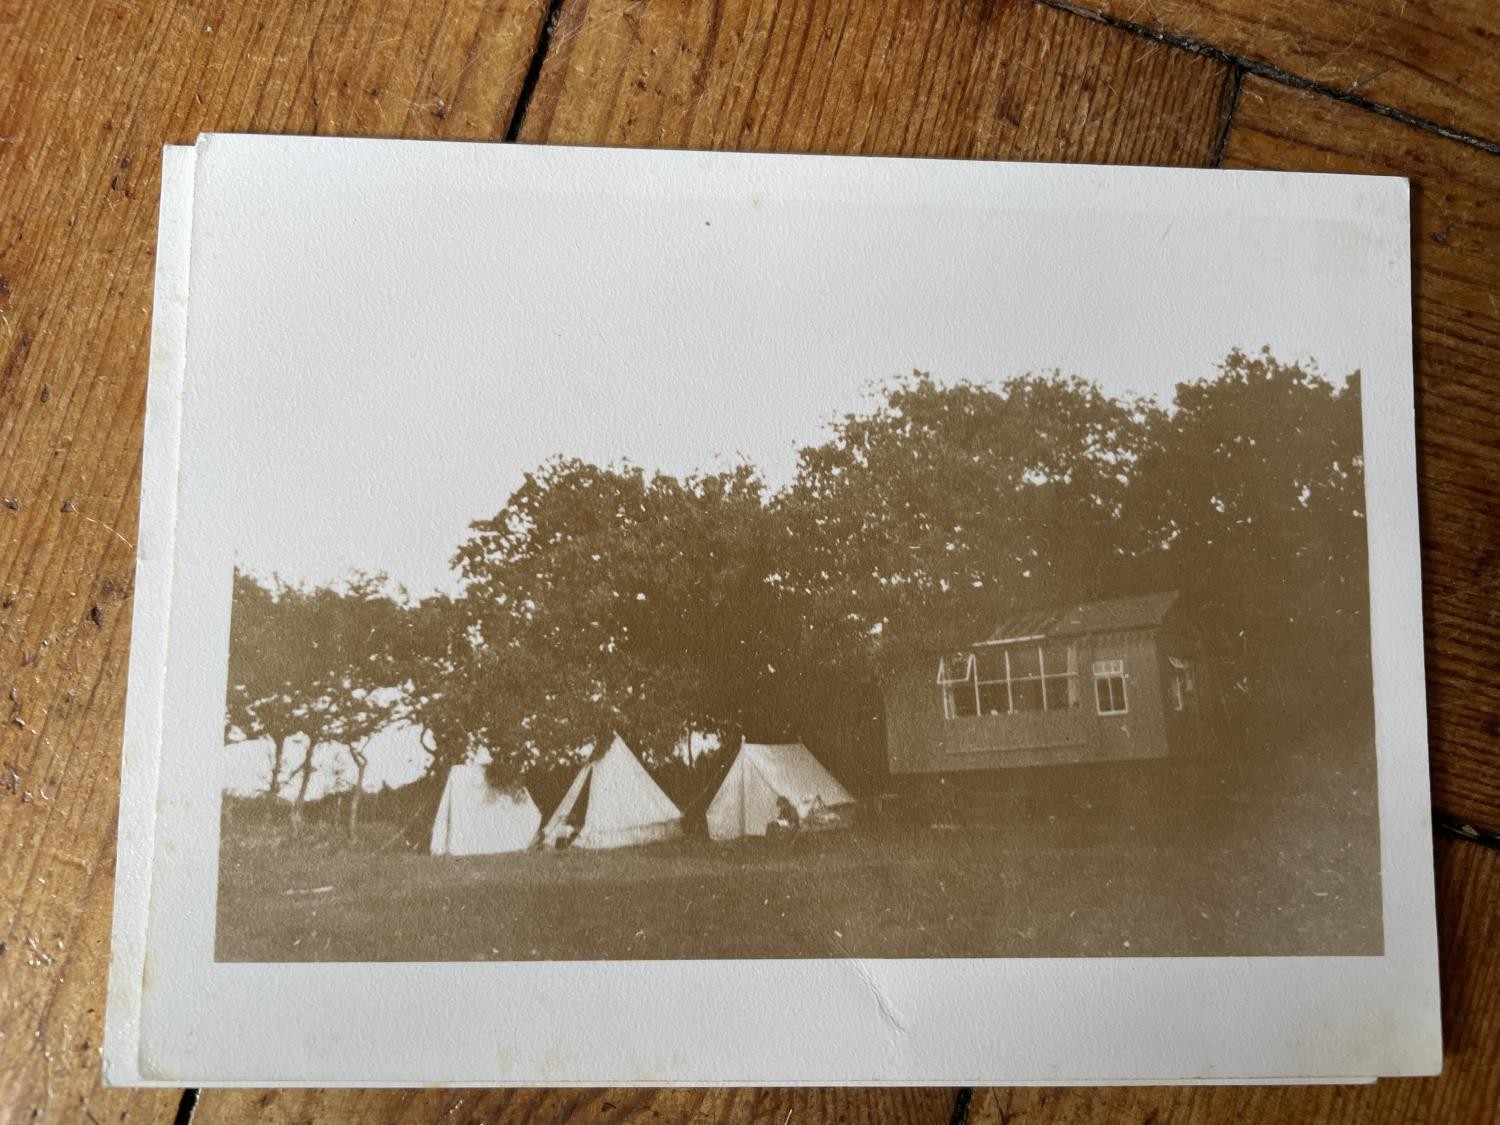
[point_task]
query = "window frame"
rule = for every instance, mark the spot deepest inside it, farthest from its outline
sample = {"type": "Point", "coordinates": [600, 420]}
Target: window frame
{"type": "Point", "coordinates": [947, 684]}
{"type": "Point", "coordinates": [1107, 671]}
{"type": "Point", "coordinates": [1010, 699]}
{"type": "Point", "coordinates": [1045, 679]}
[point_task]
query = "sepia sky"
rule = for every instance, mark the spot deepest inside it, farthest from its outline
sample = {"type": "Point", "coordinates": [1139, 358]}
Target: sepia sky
{"type": "Point", "coordinates": [415, 361]}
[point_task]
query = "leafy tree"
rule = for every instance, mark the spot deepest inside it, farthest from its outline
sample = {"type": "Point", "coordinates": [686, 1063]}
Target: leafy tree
{"type": "Point", "coordinates": [1253, 494]}
{"type": "Point", "coordinates": [315, 663]}
{"type": "Point", "coordinates": [269, 666]}
{"type": "Point", "coordinates": [600, 599]}
{"type": "Point", "coordinates": [947, 505]}
{"type": "Point", "coordinates": [603, 599]}
{"type": "Point", "coordinates": [432, 654]}
{"type": "Point", "coordinates": [357, 629]}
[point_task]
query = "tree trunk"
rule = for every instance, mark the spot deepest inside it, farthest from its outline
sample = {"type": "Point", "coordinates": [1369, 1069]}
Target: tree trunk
{"type": "Point", "coordinates": [305, 772]}
{"type": "Point", "coordinates": [278, 756]}
{"type": "Point", "coordinates": [360, 764]}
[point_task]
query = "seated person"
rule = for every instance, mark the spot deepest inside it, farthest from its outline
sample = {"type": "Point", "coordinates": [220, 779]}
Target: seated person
{"type": "Point", "coordinates": [786, 821]}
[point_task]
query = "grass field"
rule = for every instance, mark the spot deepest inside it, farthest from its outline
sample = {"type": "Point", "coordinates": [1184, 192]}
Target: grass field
{"type": "Point", "coordinates": [1275, 856]}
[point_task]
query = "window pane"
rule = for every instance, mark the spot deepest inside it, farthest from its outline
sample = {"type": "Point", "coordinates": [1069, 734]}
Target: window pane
{"type": "Point", "coordinates": [993, 699]}
{"type": "Point", "coordinates": [1109, 694]}
{"type": "Point", "coordinates": [1024, 661]}
{"type": "Point", "coordinates": [1058, 692]}
{"type": "Point", "coordinates": [962, 701]}
{"type": "Point", "coordinates": [954, 668]}
{"type": "Point", "coordinates": [991, 663]}
{"type": "Point", "coordinates": [1026, 695]}
{"type": "Point", "coordinates": [1055, 657]}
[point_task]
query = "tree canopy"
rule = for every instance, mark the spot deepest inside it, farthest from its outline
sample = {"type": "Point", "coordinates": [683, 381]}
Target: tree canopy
{"type": "Point", "coordinates": [601, 599]}
{"type": "Point", "coordinates": [948, 505]}
{"type": "Point", "coordinates": [604, 598]}
{"type": "Point", "coordinates": [316, 664]}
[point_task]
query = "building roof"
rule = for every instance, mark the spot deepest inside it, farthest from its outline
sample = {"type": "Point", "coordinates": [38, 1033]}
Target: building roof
{"type": "Point", "coordinates": [1112, 615]}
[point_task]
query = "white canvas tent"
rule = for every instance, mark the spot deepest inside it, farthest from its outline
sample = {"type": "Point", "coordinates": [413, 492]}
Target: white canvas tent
{"type": "Point", "coordinates": [747, 800]}
{"type": "Point", "coordinates": [613, 802]}
{"type": "Point", "coordinates": [474, 818]}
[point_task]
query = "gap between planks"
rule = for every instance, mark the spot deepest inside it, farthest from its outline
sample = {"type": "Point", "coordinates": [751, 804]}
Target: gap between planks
{"type": "Point", "coordinates": [1244, 64]}
{"type": "Point", "coordinates": [1240, 65]}
{"type": "Point", "coordinates": [534, 69]}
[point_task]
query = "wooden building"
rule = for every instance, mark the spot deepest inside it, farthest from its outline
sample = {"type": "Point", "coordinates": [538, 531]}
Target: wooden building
{"type": "Point", "coordinates": [1115, 679]}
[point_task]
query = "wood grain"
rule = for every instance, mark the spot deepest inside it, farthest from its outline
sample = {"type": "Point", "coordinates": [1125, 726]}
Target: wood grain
{"type": "Point", "coordinates": [899, 77]}
{"type": "Point", "coordinates": [1456, 249]}
{"type": "Point", "coordinates": [1434, 59]}
{"type": "Point", "coordinates": [88, 93]}
{"type": "Point", "coordinates": [500, 1107]}
{"type": "Point", "coordinates": [1468, 882]}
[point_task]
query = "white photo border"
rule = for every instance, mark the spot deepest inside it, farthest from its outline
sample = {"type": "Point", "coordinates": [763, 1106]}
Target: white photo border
{"type": "Point", "coordinates": [753, 1022]}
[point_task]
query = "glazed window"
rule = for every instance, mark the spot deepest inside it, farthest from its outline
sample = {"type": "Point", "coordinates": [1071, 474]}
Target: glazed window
{"type": "Point", "coordinates": [956, 680]}
{"type": "Point", "coordinates": [1008, 679]}
{"type": "Point", "coordinates": [1109, 687]}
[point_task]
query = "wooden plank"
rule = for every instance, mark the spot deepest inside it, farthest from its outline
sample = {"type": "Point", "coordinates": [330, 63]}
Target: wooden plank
{"type": "Point", "coordinates": [89, 93]}
{"type": "Point", "coordinates": [1456, 248]}
{"type": "Point", "coordinates": [1468, 881]}
{"type": "Point", "coordinates": [1438, 60]}
{"type": "Point", "coordinates": [499, 1107]}
{"type": "Point", "coordinates": [90, 89]}
{"type": "Point", "coordinates": [901, 77]}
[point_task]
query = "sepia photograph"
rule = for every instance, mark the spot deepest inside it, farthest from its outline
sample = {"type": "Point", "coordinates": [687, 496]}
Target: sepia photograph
{"type": "Point", "coordinates": [936, 635]}
{"type": "Point", "coordinates": [961, 614]}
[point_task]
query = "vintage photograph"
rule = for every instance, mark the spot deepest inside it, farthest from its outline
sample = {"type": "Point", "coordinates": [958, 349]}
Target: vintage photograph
{"type": "Point", "coordinates": [933, 663]}
{"type": "Point", "coordinates": [963, 615]}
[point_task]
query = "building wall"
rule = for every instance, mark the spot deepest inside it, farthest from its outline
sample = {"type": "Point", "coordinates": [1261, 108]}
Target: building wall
{"type": "Point", "coordinates": [1191, 730]}
{"type": "Point", "coordinates": [921, 740]}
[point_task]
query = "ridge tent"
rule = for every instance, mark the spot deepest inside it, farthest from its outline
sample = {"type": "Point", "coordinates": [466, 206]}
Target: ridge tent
{"type": "Point", "coordinates": [612, 802]}
{"type": "Point", "coordinates": [475, 818]}
{"type": "Point", "coordinates": [747, 800]}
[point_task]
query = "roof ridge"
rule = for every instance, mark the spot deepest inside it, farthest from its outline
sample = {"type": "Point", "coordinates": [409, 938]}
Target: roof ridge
{"type": "Point", "coordinates": [1126, 611]}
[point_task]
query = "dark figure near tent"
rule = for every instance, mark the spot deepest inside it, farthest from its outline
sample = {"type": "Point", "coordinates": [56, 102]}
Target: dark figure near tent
{"type": "Point", "coordinates": [613, 802]}
{"type": "Point", "coordinates": [786, 821]}
{"type": "Point", "coordinates": [573, 823]}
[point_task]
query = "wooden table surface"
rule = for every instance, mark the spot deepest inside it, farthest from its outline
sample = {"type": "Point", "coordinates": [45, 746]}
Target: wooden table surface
{"type": "Point", "coordinates": [91, 89]}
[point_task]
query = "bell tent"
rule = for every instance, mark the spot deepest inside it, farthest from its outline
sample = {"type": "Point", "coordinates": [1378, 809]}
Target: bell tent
{"type": "Point", "coordinates": [612, 802]}
{"type": "Point", "coordinates": [475, 818]}
{"type": "Point", "coordinates": [760, 778]}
